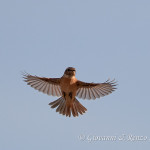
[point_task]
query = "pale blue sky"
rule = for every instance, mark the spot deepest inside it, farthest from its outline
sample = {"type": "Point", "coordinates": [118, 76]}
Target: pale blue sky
{"type": "Point", "coordinates": [101, 39]}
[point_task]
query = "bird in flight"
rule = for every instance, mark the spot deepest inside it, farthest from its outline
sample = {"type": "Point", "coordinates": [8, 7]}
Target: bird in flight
{"type": "Point", "coordinates": [68, 88]}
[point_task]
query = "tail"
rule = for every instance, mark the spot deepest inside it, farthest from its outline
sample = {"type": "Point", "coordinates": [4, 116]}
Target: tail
{"type": "Point", "coordinates": [65, 109]}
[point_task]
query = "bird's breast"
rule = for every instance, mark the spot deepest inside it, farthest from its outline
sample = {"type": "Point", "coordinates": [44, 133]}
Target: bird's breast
{"type": "Point", "coordinates": [68, 87]}
{"type": "Point", "coordinates": [68, 84]}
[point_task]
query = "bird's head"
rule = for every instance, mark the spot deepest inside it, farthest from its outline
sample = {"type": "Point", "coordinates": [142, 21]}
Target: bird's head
{"type": "Point", "coordinates": [70, 72]}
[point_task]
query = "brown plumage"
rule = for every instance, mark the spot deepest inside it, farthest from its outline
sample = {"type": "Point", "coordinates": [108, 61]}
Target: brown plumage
{"type": "Point", "coordinates": [67, 88]}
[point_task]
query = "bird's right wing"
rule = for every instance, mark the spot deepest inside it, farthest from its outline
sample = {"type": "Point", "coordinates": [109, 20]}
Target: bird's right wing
{"type": "Point", "coordinates": [50, 86]}
{"type": "Point", "coordinates": [94, 90]}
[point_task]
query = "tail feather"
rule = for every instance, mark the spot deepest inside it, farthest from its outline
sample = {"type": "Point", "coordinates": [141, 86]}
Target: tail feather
{"type": "Point", "coordinates": [78, 109]}
{"type": "Point", "coordinates": [81, 108]}
{"type": "Point", "coordinates": [75, 109]}
{"type": "Point", "coordinates": [62, 109]}
{"type": "Point", "coordinates": [68, 111]}
{"type": "Point", "coordinates": [60, 106]}
{"type": "Point", "coordinates": [55, 103]}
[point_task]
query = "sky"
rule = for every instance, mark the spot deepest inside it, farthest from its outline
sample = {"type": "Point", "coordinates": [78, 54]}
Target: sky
{"type": "Point", "coordinates": [101, 39]}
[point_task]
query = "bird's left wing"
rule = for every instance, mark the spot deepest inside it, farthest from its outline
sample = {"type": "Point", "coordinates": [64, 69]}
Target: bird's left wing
{"type": "Point", "coordinates": [94, 90]}
{"type": "Point", "coordinates": [50, 86]}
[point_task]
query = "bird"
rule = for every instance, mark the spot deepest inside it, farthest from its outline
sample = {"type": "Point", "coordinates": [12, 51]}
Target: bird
{"type": "Point", "coordinates": [67, 88]}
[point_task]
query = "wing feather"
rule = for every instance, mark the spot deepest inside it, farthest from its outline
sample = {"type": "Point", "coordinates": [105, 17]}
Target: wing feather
{"type": "Point", "coordinates": [39, 87]}
{"type": "Point", "coordinates": [46, 89]}
{"type": "Point", "coordinates": [93, 93]}
{"type": "Point", "coordinates": [95, 90]}
{"type": "Point", "coordinates": [58, 90]}
{"type": "Point", "coordinates": [43, 87]}
{"type": "Point", "coordinates": [88, 94]}
{"type": "Point", "coordinates": [97, 94]}
{"type": "Point", "coordinates": [50, 86]}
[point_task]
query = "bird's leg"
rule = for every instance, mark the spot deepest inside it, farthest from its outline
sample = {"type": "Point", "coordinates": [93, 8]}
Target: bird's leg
{"type": "Point", "coordinates": [70, 94]}
{"type": "Point", "coordinates": [64, 94]}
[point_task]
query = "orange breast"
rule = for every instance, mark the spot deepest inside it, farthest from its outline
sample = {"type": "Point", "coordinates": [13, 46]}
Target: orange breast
{"type": "Point", "coordinates": [68, 85]}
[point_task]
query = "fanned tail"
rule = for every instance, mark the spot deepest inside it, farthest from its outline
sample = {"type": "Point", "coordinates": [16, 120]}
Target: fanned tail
{"type": "Point", "coordinates": [75, 108]}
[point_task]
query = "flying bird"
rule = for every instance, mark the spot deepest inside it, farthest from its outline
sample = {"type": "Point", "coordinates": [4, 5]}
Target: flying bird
{"type": "Point", "coordinates": [68, 88]}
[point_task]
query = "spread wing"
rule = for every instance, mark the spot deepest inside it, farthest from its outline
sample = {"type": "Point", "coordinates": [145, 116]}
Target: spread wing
{"type": "Point", "coordinates": [48, 86]}
{"type": "Point", "coordinates": [94, 90]}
